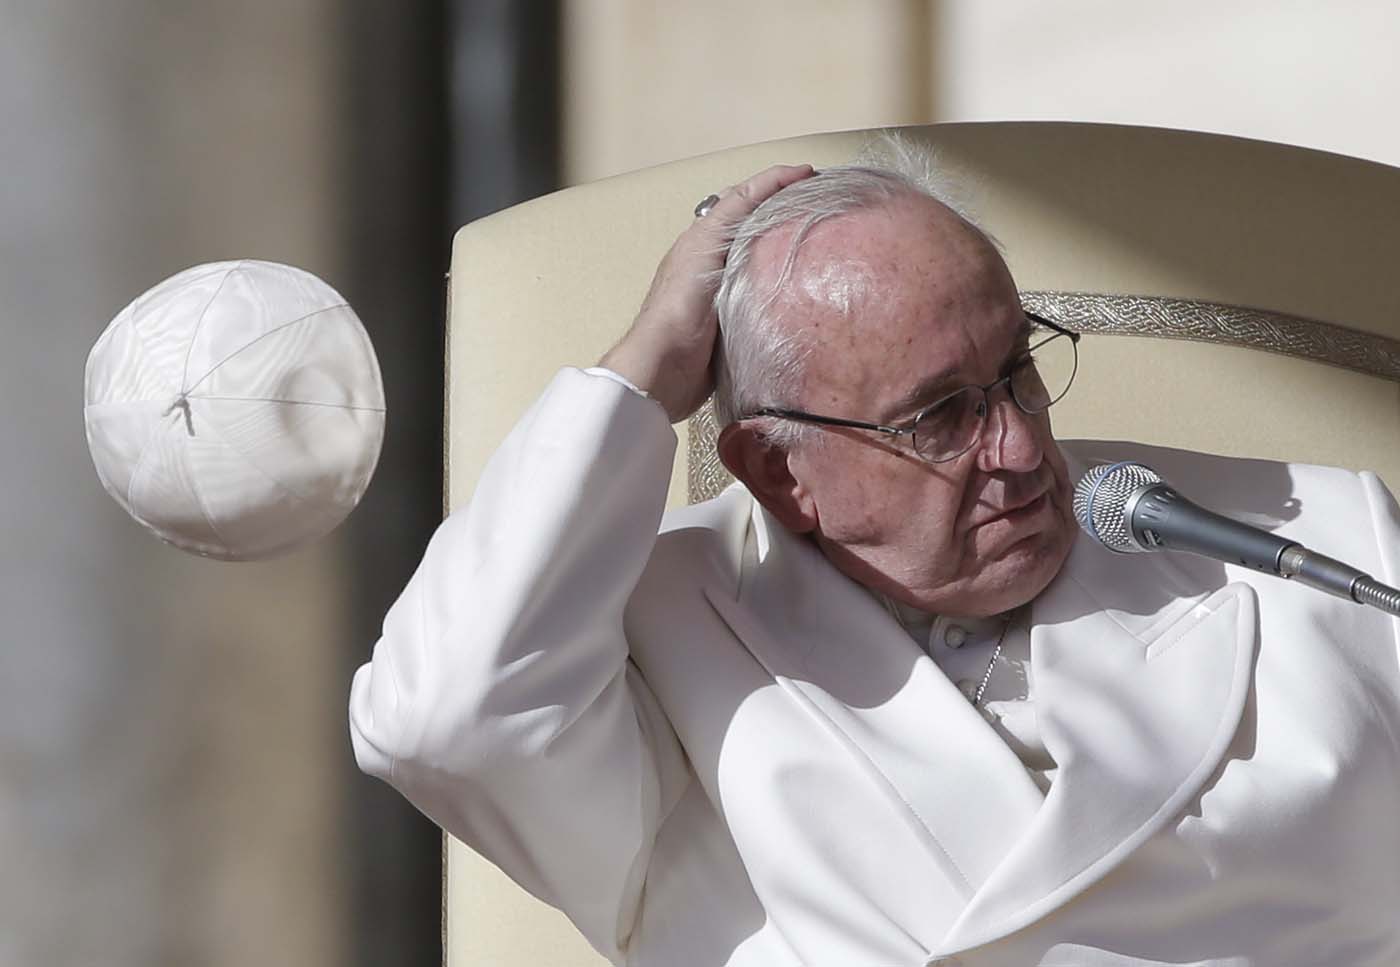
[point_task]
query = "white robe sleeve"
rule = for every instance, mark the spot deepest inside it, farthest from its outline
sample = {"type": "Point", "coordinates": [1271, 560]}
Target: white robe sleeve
{"type": "Point", "coordinates": [500, 699]}
{"type": "Point", "coordinates": [1386, 515]}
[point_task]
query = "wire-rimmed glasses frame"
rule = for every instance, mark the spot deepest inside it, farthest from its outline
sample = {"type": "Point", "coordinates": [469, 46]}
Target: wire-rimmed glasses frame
{"type": "Point", "coordinates": [909, 427]}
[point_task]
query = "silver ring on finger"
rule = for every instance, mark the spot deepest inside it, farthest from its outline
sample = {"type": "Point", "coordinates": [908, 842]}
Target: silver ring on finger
{"type": "Point", "coordinates": [706, 204]}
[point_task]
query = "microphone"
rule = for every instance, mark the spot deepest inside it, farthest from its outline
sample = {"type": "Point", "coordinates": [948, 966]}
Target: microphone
{"type": "Point", "coordinates": [1129, 508]}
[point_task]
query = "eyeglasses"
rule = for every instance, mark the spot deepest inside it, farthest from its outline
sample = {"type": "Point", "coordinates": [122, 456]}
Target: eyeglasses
{"type": "Point", "coordinates": [948, 428]}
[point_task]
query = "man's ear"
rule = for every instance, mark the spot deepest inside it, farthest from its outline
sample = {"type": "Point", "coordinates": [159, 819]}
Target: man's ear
{"type": "Point", "coordinates": [763, 467]}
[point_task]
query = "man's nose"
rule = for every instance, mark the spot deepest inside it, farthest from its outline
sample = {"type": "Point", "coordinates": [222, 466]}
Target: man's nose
{"type": "Point", "coordinates": [1011, 437]}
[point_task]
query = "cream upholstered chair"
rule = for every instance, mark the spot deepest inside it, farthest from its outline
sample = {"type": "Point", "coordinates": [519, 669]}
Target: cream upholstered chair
{"type": "Point", "coordinates": [1239, 297]}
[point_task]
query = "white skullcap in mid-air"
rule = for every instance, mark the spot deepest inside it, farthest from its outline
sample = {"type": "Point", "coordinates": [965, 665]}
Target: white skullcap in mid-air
{"type": "Point", "coordinates": [236, 409]}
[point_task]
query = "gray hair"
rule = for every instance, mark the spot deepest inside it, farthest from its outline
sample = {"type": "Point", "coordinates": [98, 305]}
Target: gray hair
{"type": "Point", "coordinates": [759, 363]}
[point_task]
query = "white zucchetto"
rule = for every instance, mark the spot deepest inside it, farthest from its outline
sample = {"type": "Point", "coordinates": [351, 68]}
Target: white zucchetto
{"type": "Point", "coordinates": [236, 409]}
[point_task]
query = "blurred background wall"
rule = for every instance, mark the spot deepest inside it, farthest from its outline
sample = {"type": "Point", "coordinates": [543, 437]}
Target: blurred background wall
{"type": "Point", "coordinates": [176, 785]}
{"type": "Point", "coordinates": [651, 80]}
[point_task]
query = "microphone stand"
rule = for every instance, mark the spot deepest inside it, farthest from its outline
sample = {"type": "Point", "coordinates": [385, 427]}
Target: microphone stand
{"type": "Point", "coordinates": [1326, 574]}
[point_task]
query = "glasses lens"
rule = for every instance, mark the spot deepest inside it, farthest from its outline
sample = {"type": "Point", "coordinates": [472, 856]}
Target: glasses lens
{"type": "Point", "coordinates": [949, 427]}
{"type": "Point", "coordinates": [1045, 374]}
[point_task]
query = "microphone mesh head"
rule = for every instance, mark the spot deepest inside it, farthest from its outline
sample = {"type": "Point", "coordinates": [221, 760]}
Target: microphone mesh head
{"type": "Point", "coordinates": [1101, 496]}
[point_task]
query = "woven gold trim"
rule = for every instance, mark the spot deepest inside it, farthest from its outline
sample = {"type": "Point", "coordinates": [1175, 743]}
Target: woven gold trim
{"type": "Point", "coordinates": [705, 476]}
{"type": "Point", "coordinates": [1134, 315]}
{"type": "Point", "coordinates": [1213, 322]}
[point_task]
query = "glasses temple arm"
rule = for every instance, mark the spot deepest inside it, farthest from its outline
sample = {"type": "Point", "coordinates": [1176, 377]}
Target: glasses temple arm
{"type": "Point", "coordinates": [1041, 320]}
{"type": "Point", "coordinates": [804, 417]}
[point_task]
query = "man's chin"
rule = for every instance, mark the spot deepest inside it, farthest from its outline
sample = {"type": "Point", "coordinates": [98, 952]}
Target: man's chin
{"type": "Point", "coordinates": [1024, 568]}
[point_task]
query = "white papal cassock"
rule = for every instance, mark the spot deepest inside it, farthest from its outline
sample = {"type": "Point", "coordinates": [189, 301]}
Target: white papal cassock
{"type": "Point", "coordinates": [710, 747]}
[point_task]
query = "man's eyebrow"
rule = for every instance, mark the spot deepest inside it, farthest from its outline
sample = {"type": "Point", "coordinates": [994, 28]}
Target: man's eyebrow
{"type": "Point", "coordinates": [925, 391]}
{"type": "Point", "coordinates": [931, 387]}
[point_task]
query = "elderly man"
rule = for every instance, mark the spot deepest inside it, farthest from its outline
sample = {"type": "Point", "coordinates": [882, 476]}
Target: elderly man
{"type": "Point", "coordinates": [880, 705]}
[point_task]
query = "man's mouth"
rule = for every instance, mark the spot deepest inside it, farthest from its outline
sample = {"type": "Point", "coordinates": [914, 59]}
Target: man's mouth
{"type": "Point", "coordinates": [1020, 509]}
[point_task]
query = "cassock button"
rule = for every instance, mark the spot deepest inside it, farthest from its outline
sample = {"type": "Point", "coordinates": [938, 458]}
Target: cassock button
{"type": "Point", "coordinates": [968, 687]}
{"type": "Point", "coordinates": [955, 636]}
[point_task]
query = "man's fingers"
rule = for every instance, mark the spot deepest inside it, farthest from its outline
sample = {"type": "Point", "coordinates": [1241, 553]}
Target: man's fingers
{"type": "Point", "coordinates": [708, 236]}
{"type": "Point", "coordinates": [667, 351]}
{"type": "Point", "coordinates": [738, 201]}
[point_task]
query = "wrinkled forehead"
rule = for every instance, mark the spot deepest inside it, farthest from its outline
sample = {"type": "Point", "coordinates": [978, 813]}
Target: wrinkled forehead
{"type": "Point", "coordinates": [883, 297]}
{"type": "Point", "coordinates": [915, 250]}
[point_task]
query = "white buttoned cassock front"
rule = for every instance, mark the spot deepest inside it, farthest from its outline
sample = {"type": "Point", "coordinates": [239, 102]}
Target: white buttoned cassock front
{"type": "Point", "coordinates": [710, 747]}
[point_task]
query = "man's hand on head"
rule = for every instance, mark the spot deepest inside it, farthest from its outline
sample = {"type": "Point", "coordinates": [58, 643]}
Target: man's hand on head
{"type": "Point", "coordinates": [667, 351]}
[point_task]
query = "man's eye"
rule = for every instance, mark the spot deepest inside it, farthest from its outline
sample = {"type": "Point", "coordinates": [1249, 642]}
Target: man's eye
{"type": "Point", "coordinates": [944, 415]}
